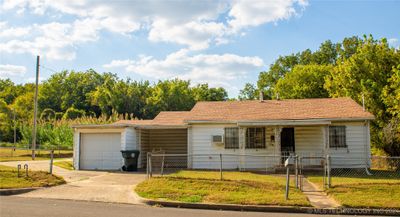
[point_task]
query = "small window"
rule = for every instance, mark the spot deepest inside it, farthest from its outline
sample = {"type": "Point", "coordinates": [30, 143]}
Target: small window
{"type": "Point", "coordinates": [255, 138]}
{"type": "Point", "coordinates": [337, 137]}
{"type": "Point", "coordinates": [232, 138]}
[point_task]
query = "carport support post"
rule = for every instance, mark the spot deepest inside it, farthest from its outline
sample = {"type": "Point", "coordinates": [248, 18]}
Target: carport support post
{"type": "Point", "coordinates": [51, 161]}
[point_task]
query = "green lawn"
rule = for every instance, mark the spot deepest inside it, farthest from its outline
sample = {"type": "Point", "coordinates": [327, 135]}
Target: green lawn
{"type": "Point", "coordinates": [26, 155]}
{"type": "Point", "coordinates": [236, 188]}
{"type": "Point", "coordinates": [65, 164]}
{"type": "Point", "coordinates": [365, 192]}
{"type": "Point", "coordinates": [9, 179]}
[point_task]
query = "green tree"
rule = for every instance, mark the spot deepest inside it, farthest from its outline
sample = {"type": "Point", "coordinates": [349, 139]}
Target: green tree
{"type": "Point", "coordinates": [304, 81]}
{"type": "Point", "coordinates": [70, 89]}
{"type": "Point", "coordinates": [391, 93]}
{"type": "Point", "coordinates": [249, 92]}
{"type": "Point", "coordinates": [23, 106]}
{"type": "Point", "coordinates": [170, 95]}
{"type": "Point", "coordinates": [202, 92]}
{"type": "Point", "coordinates": [9, 91]}
{"type": "Point", "coordinates": [124, 97]}
{"type": "Point", "coordinates": [6, 124]}
{"type": "Point", "coordinates": [365, 73]}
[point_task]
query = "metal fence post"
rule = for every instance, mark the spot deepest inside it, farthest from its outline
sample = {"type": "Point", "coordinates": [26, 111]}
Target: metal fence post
{"type": "Point", "coordinates": [301, 173]}
{"type": "Point", "coordinates": [162, 165]}
{"type": "Point", "coordinates": [220, 166]}
{"type": "Point", "coordinates": [147, 166]}
{"type": "Point", "coordinates": [287, 183]}
{"type": "Point", "coordinates": [297, 170]}
{"type": "Point", "coordinates": [150, 166]}
{"type": "Point", "coordinates": [328, 159]}
{"type": "Point", "coordinates": [51, 161]}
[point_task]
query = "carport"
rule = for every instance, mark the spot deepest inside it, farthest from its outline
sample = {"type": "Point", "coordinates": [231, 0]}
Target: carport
{"type": "Point", "coordinates": [98, 147]}
{"type": "Point", "coordinates": [156, 139]}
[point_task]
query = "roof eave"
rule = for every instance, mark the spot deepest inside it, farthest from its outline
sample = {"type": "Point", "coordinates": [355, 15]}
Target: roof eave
{"type": "Point", "coordinates": [279, 121]}
{"type": "Point", "coordinates": [161, 126]}
{"type": "Point", "coordinates": [100, 126]}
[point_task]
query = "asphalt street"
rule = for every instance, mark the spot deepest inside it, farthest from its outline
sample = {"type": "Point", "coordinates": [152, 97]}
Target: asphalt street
{"type": "Point", "coordinates": [13, 206]}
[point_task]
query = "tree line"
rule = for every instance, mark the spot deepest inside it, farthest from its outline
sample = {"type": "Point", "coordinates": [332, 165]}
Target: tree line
{"type": "Point", "coordinates": [356, 67]}
{"type": "Point", "coordinates": [69, 95]}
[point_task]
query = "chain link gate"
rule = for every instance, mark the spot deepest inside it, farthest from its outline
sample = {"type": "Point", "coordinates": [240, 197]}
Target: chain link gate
{"type": "Point", "coordinates": [313, 166]}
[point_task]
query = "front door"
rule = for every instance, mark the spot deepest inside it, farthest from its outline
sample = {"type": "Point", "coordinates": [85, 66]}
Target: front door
{"type": "Point", "coordinates": [287, 141]}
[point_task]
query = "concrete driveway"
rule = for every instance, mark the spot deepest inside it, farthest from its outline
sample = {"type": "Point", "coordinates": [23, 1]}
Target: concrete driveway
{"type": "Point", "coordinates": [101, 186]}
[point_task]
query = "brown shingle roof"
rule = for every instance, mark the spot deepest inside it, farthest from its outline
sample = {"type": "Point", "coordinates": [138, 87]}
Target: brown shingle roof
{"type": "Point", "coordinates": [292, 109]}
{"type": "Point", "coordinates": [268, 110]}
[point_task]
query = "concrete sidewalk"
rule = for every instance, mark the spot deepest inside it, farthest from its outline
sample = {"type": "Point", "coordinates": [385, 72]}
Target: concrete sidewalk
{"type": "Point", "coordinates": [116, 187]}
{"type": "Point", "coordinates": [317, 197]}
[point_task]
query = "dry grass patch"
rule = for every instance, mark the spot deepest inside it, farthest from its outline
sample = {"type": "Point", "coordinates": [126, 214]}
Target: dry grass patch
{"type": "Point", "coordinates": [237, 188]}
{"type": "Point", "coordinates": [68, 165]}
{"type": "Point", "coordinates": [10, 179]}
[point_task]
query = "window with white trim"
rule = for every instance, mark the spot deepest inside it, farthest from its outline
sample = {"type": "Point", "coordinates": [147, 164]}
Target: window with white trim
{"type": "Point", "coordinates": [231, 138]}
{"type": "Point", "coordinates": [337, 137]}
{"type": "Point", "coordinates": [255, 138]}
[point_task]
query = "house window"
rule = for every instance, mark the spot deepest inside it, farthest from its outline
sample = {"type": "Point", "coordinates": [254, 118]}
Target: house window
{"type": "Point", "coordinates": [232, 138]}
{"type": "Point", "coordinates": [255, 138]}
{"type": "Point", "coordinates": [337, 137]}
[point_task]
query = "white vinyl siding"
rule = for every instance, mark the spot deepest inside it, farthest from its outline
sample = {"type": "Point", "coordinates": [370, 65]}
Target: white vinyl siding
{"type": "Point", "coordinates": [309, 140]}
{"type": "Point", "coordinates": [129, 139]}
{"type": "Point", "coordinates": [357, 150]}
{"type": "Point", "coordinates": [201, 142]}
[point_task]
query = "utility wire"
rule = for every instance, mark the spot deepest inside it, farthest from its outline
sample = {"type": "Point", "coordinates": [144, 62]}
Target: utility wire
{"type": "Point", "coordinates": [47, 68]}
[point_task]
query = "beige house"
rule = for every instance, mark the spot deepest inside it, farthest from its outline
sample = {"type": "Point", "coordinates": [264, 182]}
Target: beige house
{"type": "Point", "coordinates": [305, 127]}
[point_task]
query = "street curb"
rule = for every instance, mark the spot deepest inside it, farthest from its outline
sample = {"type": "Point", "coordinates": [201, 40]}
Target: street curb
{"type": "Point", "coordinates": [281, 209]}
{"type": "Point", "coordinates": [14, 191]}
{"type": "Point", "coordinates": [233, 207]}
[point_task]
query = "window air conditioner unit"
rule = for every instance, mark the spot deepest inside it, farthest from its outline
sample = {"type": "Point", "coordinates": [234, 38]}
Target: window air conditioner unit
{"type": "Point", "coordinates": [217, 139]}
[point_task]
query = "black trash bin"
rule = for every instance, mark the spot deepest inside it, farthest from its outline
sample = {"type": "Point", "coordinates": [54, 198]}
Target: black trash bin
{"type": "Point", "coordinates": [130, 160]}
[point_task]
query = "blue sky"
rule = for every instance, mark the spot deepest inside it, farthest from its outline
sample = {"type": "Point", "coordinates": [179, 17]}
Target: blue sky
{"type": "Point", "coordinates": [223, 43]}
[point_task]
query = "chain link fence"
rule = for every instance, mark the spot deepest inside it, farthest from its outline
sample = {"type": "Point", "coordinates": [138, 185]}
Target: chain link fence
{"type": "Point", "coordinates": [325, 169]}
{"type": "Point", "coordinates": [375, 168]}
{"type": "Point", "coordinates": [161, 164]}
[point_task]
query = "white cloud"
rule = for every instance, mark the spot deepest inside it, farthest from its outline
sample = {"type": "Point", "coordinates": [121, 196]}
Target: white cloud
{"type": "Point", "coordinates": [393, 42]}
{"type": "Point", "coordinates": [118, 63]}
{"type": "Point", "coordinates": [11, 32]}
{"type": "Point", "coordinates": [217, 70]}
{"type": "Point", "coordinates": [8, 70]}
{"type": "Point", "coordinates": [196, 25]}
{"type": "Point", "coordinates": [247, 13]}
